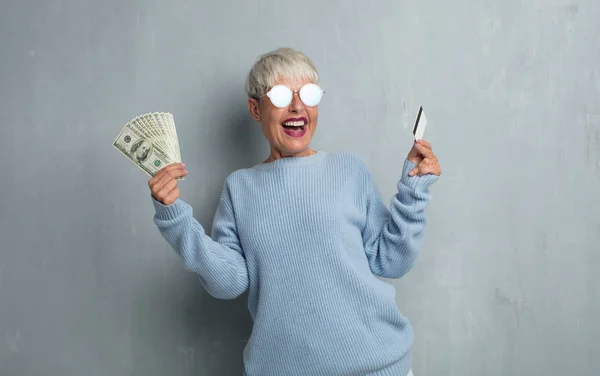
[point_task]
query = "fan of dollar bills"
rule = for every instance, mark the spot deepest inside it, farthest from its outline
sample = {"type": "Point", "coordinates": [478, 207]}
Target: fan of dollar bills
{"type": "Point", "coordinates": [150, 141]}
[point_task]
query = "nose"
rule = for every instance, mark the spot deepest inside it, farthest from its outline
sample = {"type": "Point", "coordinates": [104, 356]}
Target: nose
{"type": "Point", "coordinates": [296, 105]}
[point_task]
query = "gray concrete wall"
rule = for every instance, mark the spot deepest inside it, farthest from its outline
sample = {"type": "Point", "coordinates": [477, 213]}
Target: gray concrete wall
{"type": "Point", "coordinates": [507, 282]}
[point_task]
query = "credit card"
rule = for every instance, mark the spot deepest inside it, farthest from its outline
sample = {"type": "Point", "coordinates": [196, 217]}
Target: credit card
{"type": "Point", "coordinates": [420, 125]}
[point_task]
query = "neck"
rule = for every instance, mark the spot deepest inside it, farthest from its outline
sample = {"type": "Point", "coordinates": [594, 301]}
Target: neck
{"type": "Point", "coordinates": [278, 154]}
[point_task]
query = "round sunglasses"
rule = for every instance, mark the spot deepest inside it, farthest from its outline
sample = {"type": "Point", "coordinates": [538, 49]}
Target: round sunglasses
{"type": "Point", "coordinates": [281, 95]}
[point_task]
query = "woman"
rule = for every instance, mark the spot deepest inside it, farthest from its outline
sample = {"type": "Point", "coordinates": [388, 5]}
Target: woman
{"type": "Point", "coordinates": [307, 233]}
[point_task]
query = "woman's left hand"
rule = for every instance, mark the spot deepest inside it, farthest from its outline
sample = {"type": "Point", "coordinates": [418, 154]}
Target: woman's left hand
{"type": "Point", "coordinates": [422, 155]}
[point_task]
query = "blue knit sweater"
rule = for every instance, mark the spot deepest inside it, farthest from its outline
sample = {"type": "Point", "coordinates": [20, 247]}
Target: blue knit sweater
{"type": "Point", "coordinates": [308, 236]}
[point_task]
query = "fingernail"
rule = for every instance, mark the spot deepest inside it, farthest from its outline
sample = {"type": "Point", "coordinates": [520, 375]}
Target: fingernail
{"type": "Point", "coordinates": [183, 165]}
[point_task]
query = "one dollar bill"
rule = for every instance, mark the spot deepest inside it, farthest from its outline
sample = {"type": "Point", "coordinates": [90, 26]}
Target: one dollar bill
{"type": "Point", "coordinates": [146, 153]}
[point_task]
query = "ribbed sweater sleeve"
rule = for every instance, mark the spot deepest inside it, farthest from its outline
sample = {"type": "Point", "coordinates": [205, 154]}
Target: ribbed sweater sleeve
{"type": "Point", "coordinates": [217, 259]}
{"type": "Point", "coordinates": [393, 236]}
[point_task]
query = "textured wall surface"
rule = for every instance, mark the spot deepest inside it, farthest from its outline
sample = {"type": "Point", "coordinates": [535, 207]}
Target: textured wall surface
{"type": "Point", "coordinates": [507, 282]}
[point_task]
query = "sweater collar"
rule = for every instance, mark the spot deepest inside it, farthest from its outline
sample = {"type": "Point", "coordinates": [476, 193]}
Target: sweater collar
{"type": "Point", "coordinates": [292, 161]}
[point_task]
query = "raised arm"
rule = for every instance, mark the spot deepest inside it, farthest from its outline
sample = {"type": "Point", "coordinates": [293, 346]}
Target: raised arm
{"type": "Point", "coordinates": [217, 259]}
{"type": "Point", "coordinates": [393, 236]}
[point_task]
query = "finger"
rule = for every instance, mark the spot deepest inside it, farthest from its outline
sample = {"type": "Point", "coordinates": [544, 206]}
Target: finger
{"type": "Point", "coordinates": [419, 169]}
{"type": "Point", "coordinates": [174, 173]}
{"type": "Point", "coordinates": [169, 168]}
{"type": "Point", "coordinates": [424, 143]}
{"type": "Point", "coordinates": [167, 175]}
{"type": "Point", "coordinates": [163, 188]}
{"type": "Point", "coordinates": [168, 188]}
{"type": "Point", "coordinates": [163, 193]}
{"type": "Point", "coordinates": [414, 171]}
{"type": "Point", "coordinates": [425, 152]}
{"type": "Point", "coordinates": [158, 184]}
{"type": "Point", "coordinates": [158, 176]}
{"type": "Point", "coordinates": [428, 166]}
{"type": "Point", "coordinates": [171, 197]}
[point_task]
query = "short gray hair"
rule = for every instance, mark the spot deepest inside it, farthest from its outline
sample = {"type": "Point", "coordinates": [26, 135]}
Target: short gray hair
{"type": "Point", "coordinates": [284, 63]}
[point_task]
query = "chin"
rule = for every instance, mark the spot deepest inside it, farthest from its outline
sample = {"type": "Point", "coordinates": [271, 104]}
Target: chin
{"type": "Point", "coordinates": [298, 145]}
{"type": "Point", "coordinates": [294, 148]}
{"type": "Point", "coordinates": [292, 141]}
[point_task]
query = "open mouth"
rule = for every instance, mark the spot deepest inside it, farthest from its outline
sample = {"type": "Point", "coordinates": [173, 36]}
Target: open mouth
{"type": "Point", "coordinates": [295, 127]}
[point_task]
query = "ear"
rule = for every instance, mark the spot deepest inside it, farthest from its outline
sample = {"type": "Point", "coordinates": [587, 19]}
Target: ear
{"type": "Point", "coordinates": [254, 109]}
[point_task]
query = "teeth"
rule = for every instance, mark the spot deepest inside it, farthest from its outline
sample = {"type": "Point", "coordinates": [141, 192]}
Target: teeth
{"type": "Point", "coordinates": [294, 124]}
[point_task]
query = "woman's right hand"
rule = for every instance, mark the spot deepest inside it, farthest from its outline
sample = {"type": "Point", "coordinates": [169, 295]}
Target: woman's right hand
{"type": "Point", "coordinates": [163, 185]}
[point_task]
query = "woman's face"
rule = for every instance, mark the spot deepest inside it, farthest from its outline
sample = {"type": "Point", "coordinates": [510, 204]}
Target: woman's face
{"type": "Point", "coordinates": [280, 125]}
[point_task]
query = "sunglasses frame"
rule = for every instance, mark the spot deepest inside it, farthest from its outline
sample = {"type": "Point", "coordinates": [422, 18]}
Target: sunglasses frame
{"type": "Point", "coordinates": [293, 92]}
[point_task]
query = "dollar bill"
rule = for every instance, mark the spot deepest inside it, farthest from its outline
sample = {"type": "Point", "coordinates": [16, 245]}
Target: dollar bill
{"type": "Point", "coordinates": [144, 152]}
{"type": "Point", "coordinates": [147, 131]}
{"type": "Point", "coordinates": [155, 127]}
{"type": "Point", "coordinates": [170, 124]}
